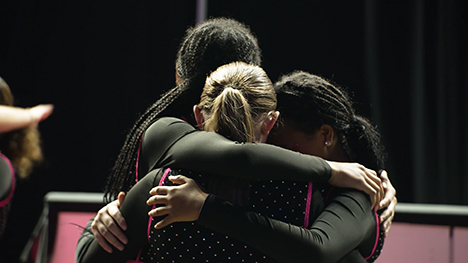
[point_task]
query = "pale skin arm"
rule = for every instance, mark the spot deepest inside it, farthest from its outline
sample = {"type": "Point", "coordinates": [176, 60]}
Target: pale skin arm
{"type": "Point", "coordinates": [13, 118]}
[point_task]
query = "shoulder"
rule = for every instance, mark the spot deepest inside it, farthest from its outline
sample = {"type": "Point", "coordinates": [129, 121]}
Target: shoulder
{"type": "Point", "coordinates": [167, 127]}
{"type": "Point", "coordinates": [7, 180]}
{"type": "Point", "coordinates": [169, 123]}
{"type": "Point", "coordinates": [162, 134]}
{"type": "Point", "coordinates": [4, 162]}
{"type": "Point", "coordinates": [351, 195]}
{"type": "Point", "coordinates": [6, 168]}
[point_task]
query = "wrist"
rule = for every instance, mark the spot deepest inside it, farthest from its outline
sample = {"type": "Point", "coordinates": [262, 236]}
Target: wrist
{"type": "Point", "coordinates": [202, 200]}
{"type": "Point", "coordinates": [333, 173]}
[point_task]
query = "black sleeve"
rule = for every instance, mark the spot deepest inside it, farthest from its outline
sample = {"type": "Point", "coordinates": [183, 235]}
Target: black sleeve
{"type": "Point", "coordinates": [342, 227]}
{"type": "Point", "coordinates": [84, 242]}
{"type": "Point", "coordinates": [134, 209]}
{"type": "Point", "coordinates": [6, 180]}
{"type": "Point", "coordinates": [353, 257]}
{"type": "Point", "coordinates": [7, 187]}
{"type": "Point", "coordinates": [171, 142]}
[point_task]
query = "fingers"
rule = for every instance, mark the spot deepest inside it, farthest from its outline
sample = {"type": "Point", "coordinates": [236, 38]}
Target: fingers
{"type": "Point", "coordinates": [179, 179]}
{"type": "Point", "coordinates": [120, 198]}
{"type": "Point", "coordinates": [106, 227]}
{"type": "Point", "coordinates": [386, 218]}
{"type": "Point", "coordinates": [104, 237]}
{"type": "Point", "coordinates": [99, 238]}
{"type": "Point", "coordinates": [384, 178]}
{"type": "Point", "coordinates": [160, 190]}
{"type": "Point", "coordinates": [357, 176]}
{"type": "Point", "coordinates": [41, 112]}
{"type": "Point", "coordinates": [157, 200]}
{"type": "Point", "coordinates": [164, 222]}
{"type": "Point", "coordinates": [373, 186]}
{"type": "Point", "coordinates": [389, 190]}
{"type": "Point", "coordinates": [160, 211]}
{"type": "Point", "coordinates": [117, 216]}
{"type": "Point", "coordinates": [385, 215]}
{"type": "Point", "coordinates": [388, 203]}
{"type": "Point", "coordinates": [102, 242]}
{"type": "Point", "coordinates": [163, 190]}
{"type": "Point", "coordinates": [110, 238]}
{"type": "Point", "coordinates": [377, 184]}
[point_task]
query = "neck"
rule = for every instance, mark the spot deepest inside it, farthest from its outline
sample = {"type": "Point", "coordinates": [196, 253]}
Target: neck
{"type": "Point", "coordinates": [338, 154]}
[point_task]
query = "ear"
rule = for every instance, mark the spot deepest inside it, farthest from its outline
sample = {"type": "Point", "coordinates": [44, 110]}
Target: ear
{"type": "Point", "coordinates": [198, 116]}
{"type": "Point", "coordinates": [327, 133]}
{"type": "Point", "coordinates": [269, 122]}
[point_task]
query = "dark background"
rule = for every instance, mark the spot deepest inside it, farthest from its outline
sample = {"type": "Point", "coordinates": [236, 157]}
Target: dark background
{"type": "Point", "coordinates": [102, 63]}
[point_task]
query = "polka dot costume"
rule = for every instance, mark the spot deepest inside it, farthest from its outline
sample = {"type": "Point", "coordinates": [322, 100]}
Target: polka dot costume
{"type": "Point", "coordinates": [190, 242]}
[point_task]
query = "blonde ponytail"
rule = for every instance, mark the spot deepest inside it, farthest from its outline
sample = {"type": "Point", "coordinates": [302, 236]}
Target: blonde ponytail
{"type": "Point", "coordinates": [235, 98]}
{"type": "Point", "coordinates": [231, 116]}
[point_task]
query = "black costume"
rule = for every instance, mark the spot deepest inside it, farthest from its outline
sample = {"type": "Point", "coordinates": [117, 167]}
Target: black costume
{"type": "Point", "coordinates": [7, 188]}
{"type": "Point", "coordinates": [171, 142]}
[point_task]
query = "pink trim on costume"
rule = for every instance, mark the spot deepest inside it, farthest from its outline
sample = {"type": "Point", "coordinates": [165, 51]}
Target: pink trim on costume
{"type": "Point", "coordinates": [12, 188]}
{"type": "Point", "coordinates": [309, 200]}
{"type": "Point", "coordinates": [377, 220]}
{"type": "Point", "coordinates": [163, 178]}
{"type": "Point", "coordinates": [138, 259]}
{"type": "Point", "coordinates": [149, 225]}
{"type": "Point", "coordinates": [138, 158]}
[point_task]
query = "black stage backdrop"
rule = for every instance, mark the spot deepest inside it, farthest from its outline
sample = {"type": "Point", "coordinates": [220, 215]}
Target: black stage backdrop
{"type": "Point", "coordinates": [102, 63]}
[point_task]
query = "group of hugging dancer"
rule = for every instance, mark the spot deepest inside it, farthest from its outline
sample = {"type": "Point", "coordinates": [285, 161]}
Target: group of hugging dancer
{"type": "Point", "coordinates": [229, 167]}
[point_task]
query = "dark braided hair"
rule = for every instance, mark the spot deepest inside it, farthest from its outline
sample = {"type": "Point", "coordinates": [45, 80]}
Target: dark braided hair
{"type": "Point", "coordinates": [308, 101]}
{"type": "Point", "coordinates": [205, 47]}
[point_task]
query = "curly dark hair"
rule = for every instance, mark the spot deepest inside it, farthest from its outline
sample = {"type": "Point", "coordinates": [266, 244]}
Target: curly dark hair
{"type": "Point", "coordinates": [22, 146]}
{"type": "Point", "coordinates": [204, 48]}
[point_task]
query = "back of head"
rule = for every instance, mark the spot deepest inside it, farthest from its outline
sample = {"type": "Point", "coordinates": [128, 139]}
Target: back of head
{"type": "Point", "coordinates": [21, 146]}
{"type": "Point", "coordinates": [213, 43]}
{"type": "Point", "coordinates": [204, 48]}
{"type": "Point", "coordinates": [6, 98]}
{"type": "Point", "coordinates": [236, 99]}
{"type": "Point", "coordinates": [308, 101]}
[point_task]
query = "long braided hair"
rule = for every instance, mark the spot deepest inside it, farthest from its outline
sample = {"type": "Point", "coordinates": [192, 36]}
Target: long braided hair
{"type": "Point", "coordinates": [204, 48]}
{"type": "Point", "coordinates": [309, 101]}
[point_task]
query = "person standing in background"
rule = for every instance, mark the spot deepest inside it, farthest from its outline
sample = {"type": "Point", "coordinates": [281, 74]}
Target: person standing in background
{"type": "Point", "coordinates": [20, 145]}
